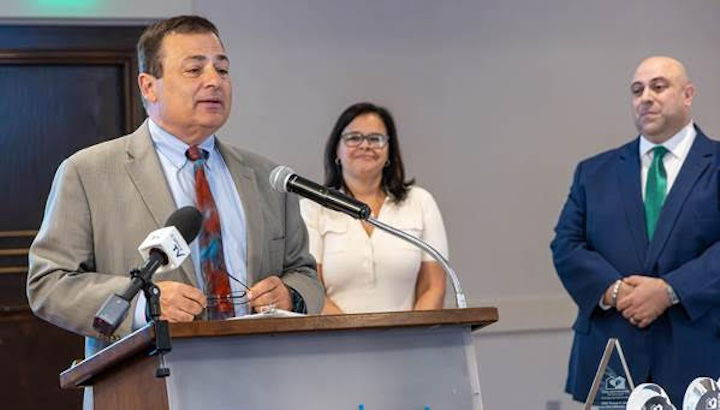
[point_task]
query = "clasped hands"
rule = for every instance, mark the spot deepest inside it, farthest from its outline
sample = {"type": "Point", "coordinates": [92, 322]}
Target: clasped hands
{"type": "Point", "coordinates": [640, 299]}
{"type": "Point", "coordinates": [180, 302]}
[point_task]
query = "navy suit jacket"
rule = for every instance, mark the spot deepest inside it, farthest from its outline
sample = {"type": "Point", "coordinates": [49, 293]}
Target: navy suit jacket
{"type": "Point", "coordinates": [601, 237]}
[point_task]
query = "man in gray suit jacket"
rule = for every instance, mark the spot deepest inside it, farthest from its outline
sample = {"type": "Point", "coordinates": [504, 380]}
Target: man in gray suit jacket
{"type": "Point", "coordinates": [106, 199]}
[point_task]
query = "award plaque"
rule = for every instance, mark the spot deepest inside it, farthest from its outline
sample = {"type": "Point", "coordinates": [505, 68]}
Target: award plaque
{"type": "Point", "coordinates": [612, 385]}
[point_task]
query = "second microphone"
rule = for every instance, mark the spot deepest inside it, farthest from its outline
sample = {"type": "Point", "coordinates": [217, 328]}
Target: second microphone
{"type": "Point", "coordinates": [284, 179]}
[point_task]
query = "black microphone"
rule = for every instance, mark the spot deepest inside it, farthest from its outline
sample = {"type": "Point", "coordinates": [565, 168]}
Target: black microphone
{"type": "Point", "coordinates": [163, 250]}
{"type": "Point", "coordinates": [165, 247]}
{"type": "Point", "coordinates": [188, 221]}
{"type": "Point", "coordinates": [284, 179]}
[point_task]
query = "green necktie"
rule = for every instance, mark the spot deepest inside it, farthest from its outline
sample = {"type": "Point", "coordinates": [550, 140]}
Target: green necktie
{"type": "Point", "coordinates": [655, 189]}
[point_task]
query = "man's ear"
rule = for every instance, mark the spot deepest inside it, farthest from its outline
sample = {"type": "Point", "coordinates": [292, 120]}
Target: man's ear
{"type": "Point", "coordinates": [148, 87]}
{"type": "Point", "coordinates": [689, 93]}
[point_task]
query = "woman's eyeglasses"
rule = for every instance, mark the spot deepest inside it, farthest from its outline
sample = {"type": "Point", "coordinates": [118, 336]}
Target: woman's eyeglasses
{"type": "Point", "coordinates": [354, 139]}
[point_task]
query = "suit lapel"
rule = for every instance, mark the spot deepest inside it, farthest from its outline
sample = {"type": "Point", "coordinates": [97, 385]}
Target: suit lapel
{"type": "Point", "coordinates": [246, 183]}
{"type": "Point", "coordinates": [144, 169]}
{"type": "Point", "coordinates": [629, 180]}
{"type": "Point", "coordinates": [697, 161]}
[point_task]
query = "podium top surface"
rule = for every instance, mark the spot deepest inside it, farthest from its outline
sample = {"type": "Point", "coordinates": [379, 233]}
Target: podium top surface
{"type": "Point", "coordinates": [141, 341]}
{"type": "Point", "coordinates": [474, 317]}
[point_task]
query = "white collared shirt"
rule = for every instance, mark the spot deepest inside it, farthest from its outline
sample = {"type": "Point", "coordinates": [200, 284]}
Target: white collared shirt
{"type": "Point", "coordinates": [377, 272]}
{"type": "Point", "coordinates": [678, 146]}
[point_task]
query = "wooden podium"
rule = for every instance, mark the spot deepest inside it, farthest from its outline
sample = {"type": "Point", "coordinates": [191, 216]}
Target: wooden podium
{"type": "Point", "coordinates": [376, 361]}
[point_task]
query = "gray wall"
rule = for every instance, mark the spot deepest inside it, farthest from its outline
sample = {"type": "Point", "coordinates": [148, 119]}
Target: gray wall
{"type": "Point", "coordinates": [496, 101]}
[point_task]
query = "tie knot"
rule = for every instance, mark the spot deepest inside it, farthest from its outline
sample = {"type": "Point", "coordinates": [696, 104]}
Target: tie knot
{"type": "Point", "coordinates": [659, 152]}
{"type": "Point", "coordinates": [195, 153]}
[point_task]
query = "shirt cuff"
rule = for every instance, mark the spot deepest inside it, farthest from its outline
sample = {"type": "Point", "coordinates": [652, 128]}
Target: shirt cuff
{"type": "Point", "coordinates": [298, 303]}
{"type": "Point", "coordinates": [140, 316]}
{"type": "Point", "coordinates": [602, 305]}
{"type": "Point", "coordinates": [674, 299]}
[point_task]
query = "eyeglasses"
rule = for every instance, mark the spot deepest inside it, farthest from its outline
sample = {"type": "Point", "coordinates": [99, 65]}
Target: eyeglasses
{"type": "Point", "coordinates": [221, 303]}
{"type": "Point", "coordinates": [354, 139]}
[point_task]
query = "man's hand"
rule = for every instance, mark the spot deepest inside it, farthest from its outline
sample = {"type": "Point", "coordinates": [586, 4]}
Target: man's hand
{"type": "Point", "coordinates": [647, 301]}
{"type": "Point", "coordinates": [180, 302]}
{"type": "Point", "coordinates": [269, 292]}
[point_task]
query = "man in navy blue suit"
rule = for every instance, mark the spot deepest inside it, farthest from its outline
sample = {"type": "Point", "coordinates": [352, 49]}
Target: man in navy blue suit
{"type": "Point", "coordinates": [637, 246]}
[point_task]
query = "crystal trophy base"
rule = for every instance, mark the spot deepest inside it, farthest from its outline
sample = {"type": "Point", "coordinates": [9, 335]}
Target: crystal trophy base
{"type": "Point", "coordinates": [612, 385]}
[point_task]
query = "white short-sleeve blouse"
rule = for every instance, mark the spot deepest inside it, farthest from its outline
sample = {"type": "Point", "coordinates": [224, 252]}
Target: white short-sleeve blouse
{"type": "Point", "coordinates": [378, 272]}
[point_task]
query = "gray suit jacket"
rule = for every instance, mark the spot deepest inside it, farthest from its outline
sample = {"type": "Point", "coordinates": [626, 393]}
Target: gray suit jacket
{"type": "Point", "coordinates": [104, 201]}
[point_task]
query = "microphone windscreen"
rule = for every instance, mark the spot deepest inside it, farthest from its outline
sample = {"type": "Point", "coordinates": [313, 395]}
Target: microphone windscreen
{"type": "Point", "coordinates": [279, 177]}
{"type": "Point", "coordinates": [702, 393]}
{"type": "Point", "coordinates": [649, 396]}
{"type": "Point", "coordinates": [187, 220]}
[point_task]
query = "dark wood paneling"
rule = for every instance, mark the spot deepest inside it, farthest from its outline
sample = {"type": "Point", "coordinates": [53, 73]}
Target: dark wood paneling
{"type": "Point", "coordinates": [11, 298]}
{"type": "Point", "coordinates": [64, 88]}
{"type": "Point", "coordinates": [33, 353]}
{"type": "Point", "coordinates": [73, 104]}
{"type": "Point", "coordinates": [69, 37]}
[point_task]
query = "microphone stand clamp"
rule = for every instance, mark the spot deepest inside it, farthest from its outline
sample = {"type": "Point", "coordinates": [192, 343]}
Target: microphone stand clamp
{"type": "Point", "coordinates": [161, 328]}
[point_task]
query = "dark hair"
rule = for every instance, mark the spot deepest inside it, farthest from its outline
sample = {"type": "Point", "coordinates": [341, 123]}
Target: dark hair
{"type": "Point", "coordinates": [148, 47]}
{"type": "Point", "coordinates": [393, 175]}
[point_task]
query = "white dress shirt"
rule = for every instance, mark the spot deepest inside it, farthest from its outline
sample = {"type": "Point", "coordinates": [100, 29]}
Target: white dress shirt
{"type": "Point", "coordinates": [377, 272]}
{"type": "Point", "coordinates": [678, 147]}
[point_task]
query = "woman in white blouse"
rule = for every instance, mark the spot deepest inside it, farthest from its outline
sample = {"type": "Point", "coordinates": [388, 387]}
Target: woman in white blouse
{"type": "Point", "coordinates": [364, 269]}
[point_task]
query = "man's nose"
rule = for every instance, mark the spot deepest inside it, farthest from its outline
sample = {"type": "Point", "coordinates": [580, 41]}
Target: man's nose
{"type": "Point", "coordinates": [647, 95]}
{"type": "Point", "coordinates": [212, 77]}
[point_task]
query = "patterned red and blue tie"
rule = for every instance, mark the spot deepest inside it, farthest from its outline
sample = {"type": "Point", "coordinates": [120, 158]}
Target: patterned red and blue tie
{"type": "Point", "coordinates": [212, 259]}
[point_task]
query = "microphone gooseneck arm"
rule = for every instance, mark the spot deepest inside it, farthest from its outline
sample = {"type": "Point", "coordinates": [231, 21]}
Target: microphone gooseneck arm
{"type": "Point", "coordinates": [459, 295]}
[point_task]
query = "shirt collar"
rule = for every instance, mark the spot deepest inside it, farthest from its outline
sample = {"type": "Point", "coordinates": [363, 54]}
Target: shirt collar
{"type": "Point", "coordinates": [678, 145]}
{"type": "Point", "coordinates": [173, 148]}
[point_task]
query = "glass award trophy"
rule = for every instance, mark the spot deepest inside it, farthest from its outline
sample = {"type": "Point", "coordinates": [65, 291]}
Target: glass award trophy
{"type": "Point", "coordinates": [612, 385]}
